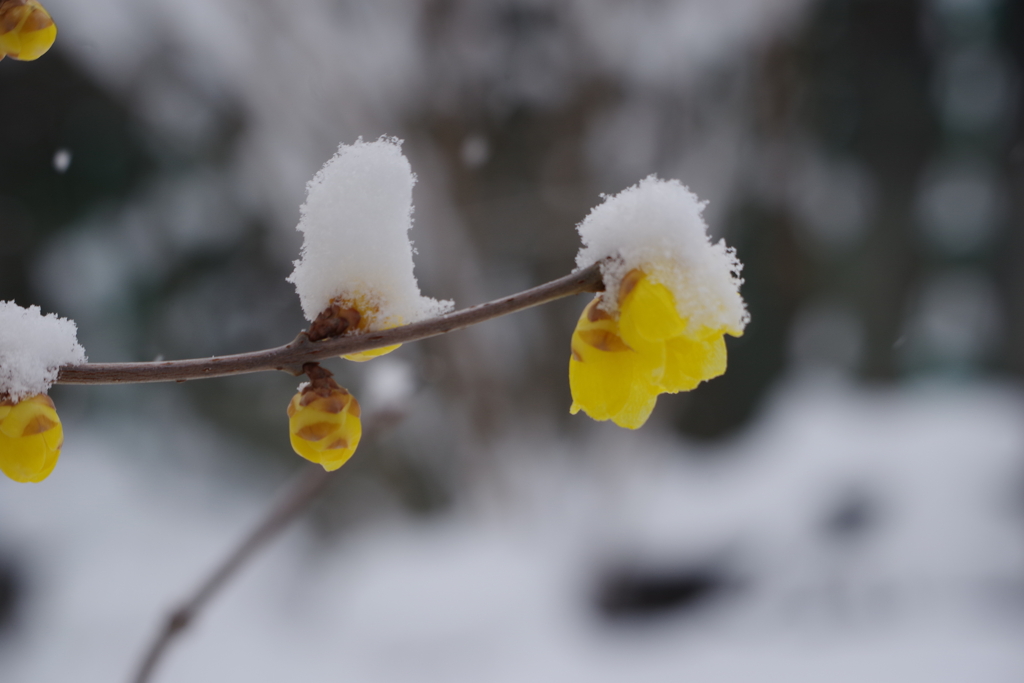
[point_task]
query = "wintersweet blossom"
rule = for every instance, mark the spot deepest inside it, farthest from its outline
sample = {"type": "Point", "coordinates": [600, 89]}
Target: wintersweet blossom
{"type": "Point", "coordinates": [323, 421]}
{"type": "Point", "coordinates": [618, 367]}
{"type": "Point", "coordinates": [26, 30]}
{"type": "Point", "coordinates": [31, 437]}
{"type": "Point", "coordinates": [671, 297]}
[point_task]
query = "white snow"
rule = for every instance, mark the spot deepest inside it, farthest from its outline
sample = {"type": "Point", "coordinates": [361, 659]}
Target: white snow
{"type": "Point", "coordinates": [389, 384]}
{"type": "Point", "coordinates": [925, 592]}
{"type": "Point", "coordinates": [62, 160]}
{"type": "Point", "coordinates": [657, 226]}
{"type": "Point", "coordinates": [355, 221]}
{"type": "Point", "coordinates": [33, 347]}
{"type": "Point", "coordinates": [670, 44]}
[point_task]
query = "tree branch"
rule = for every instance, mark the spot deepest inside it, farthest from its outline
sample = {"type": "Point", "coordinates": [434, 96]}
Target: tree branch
{"type": "Point", "coordinates": [301, 491]}
{"type": "Point", "coordinates": [309, 483]}
{"type": "Point", "coordinates": [290, 358]}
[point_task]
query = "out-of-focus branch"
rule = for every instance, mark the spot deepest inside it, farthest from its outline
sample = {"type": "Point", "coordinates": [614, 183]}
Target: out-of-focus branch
{"type": "Point", "coordinates": [300, 492]}
{"type": "Point", "coordinates": [297, 496]}
{"type": "Point", "coordinates": [291, 357]}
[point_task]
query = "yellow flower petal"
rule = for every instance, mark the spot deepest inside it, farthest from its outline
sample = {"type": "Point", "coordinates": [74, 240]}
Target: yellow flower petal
{"type": "Point", "coordinates": [692, 361]}
{"type": "Point", "coordinates": [30, 416]}
{"type": "Point", "coordinates": [601, 365]}
{"type": "Point", "coordinates": [31, 437]}
{"type": "Point", "coordinates": [26, 29]}
{"type": "Point", "coordinates": [647, 311]}
{"type": "Point", "coordinates": [600, 386]}
{"type": "Point", "coordinates": [642, 398]}
{"type": "Point", "coordinates": [363, 356]}
{"type": "Point", "coordinates": [608, 379]}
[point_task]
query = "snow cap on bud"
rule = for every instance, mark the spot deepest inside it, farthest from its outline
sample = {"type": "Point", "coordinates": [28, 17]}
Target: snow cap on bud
{"type": "Point", "coordinates": [33, 347]}
{"type": "Point", "coordinates": [30, 438]}
{"type": "Point", "coordinates": [356, 249]}
{"type": "Point", "coordinates": [323, 421]}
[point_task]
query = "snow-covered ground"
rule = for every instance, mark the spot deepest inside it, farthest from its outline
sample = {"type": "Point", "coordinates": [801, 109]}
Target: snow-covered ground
{"type": "Point", "coordinates": [851, 535]}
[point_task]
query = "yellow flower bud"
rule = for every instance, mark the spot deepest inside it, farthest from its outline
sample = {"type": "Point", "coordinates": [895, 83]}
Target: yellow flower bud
{"type": "Point", "coordinates": [31, 437]}
{"type": "Point", "coordinates": [26, 30]}
{"type": "Point", "coordinates": [344, 316]}
{"type": "Point", "coordinates": [323, 421]}
{"type": "Point", "coordinates": [619, 366]}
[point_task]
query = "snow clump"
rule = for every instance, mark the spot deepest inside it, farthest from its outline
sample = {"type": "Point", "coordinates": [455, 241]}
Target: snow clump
{"type": "Point", "coordinates": [657, 226]}
{"type": "Point", "coordinates": [356, 247]}
{"type": "Point", "coordinates": [33, 347]}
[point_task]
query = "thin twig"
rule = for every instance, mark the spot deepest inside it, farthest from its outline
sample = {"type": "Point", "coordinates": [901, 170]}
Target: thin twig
{"type": "Point", "coordinates": [300, 492]}
{"type": "Point", "coordinates": [291, 357]}
{"type": "Point", "coordinates": [297, 496]}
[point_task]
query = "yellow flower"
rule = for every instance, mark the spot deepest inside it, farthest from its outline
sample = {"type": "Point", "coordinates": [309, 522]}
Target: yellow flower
{"type": "Point", "coordinates": [26, 30]}
{"type": "Point", "coordinates": [619, 366]}
{"type": "Point", "coordinates": [30, 438]}
{"type": "Point", "coordinates": [344, 316]}
{"type": "Point", "coordinates": [323, 421]}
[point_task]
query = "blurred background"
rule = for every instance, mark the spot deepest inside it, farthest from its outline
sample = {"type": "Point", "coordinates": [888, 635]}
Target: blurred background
{"type": "Point", "coordinates": [845, 504]}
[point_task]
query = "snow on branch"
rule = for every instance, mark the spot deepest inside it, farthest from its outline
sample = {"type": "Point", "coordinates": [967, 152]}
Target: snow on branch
{"type": "Point", "coordinates": [33, 347]}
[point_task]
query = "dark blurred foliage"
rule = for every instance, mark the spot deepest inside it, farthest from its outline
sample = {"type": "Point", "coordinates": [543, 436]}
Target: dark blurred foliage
{"type": "Point", "coordinates": [1010, 255]}
{"type": "Point", "coordinates": [11, 595]}
{"type": "Point", "coordinates": [869, 97]}
{"type": "Point", "coordinates": [47, 106]}
{"type": "Point", "coordinates": [859, 82]}
{"type": "Point", "coordinates": [856, 79]}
